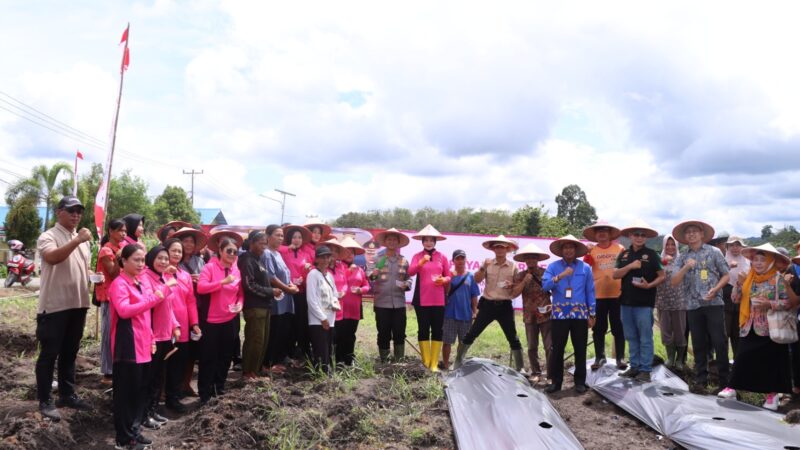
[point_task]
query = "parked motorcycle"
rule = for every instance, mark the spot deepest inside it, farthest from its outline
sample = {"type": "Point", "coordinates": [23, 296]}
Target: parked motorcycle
{"type": "Point", "coordinates": [20, 267]}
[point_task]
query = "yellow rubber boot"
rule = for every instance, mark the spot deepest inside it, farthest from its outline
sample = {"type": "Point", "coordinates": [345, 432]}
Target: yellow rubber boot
{"type": "Point", "coordinates": [425, 349]}
{"type": "Point", "coordinates": [436, 349]}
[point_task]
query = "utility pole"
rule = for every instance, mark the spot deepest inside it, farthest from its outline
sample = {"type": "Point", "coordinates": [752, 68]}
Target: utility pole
{"type": "Point", "coordinates": [192, 173]}
{"type": "Point", "coordinates": [282, 202]}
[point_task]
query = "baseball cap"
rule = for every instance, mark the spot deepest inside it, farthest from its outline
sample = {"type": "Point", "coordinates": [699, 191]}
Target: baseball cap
{"type": "Point", "coordinates": [458, 253]}
{"type": "Point", "coordinates": [68, 201]}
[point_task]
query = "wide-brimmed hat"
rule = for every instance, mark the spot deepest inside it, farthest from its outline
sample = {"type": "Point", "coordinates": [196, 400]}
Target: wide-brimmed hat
{"type": "Point", "coordinates": [200, 238]}
{"type": "Point", "coordinates": [326, 229]}
{"type": "Point", "coordinates": [216, 236]}
{"type": "Point", "coordinates": [489, 244]}
{"type": "Point", "coordinates": [735, 239]}
{"type": "Point", "coordinates": [590, 232]}
{"type": "Point", "coordinates": [639, 224]}
{"type": "Point", "coordinates": [334, 245]}
{"type": "Point", "coordinates": [679, 231]}
{"type": "Point", "coordinates": [352, 244]}
{"type": "Point", "coordinates": [289, 230]}
{"type": "Point", "coordinates": [381, 237]}
{"type": "Point", "coordinates": [781, 261]}
{"type": "Point", "coordinates": [429, 231]}
{"type": "Point", "coordinates": [531, 250]}
{"type": "Point", "coordinates": [720, 238]}
{"type": "Point", "coordinates": [176, 224]}
{"type": "Point", "coordinates": [580, 248]}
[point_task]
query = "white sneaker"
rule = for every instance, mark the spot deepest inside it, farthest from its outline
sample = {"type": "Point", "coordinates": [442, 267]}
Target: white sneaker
{"type": "Point", "coordinates": [772, 402]}
{"type": "Point", "coordinates": [727, 393]}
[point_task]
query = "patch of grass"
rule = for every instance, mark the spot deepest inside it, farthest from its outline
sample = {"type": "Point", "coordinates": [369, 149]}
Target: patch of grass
{"type": "Point", "coordinates": [401, 388]}
{"type": "Point", "coordinates": [432, 388]}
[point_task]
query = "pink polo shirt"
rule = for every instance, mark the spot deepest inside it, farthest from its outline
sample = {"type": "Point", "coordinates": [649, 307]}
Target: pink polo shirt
{"type": "Point", "coordinates": [184, 303]}
{"type": "Point", "coordinates": [131, 331]}
{"type": "Point", "coordinates": [164, 321]}
{"type": "Point", "coordinates": [351, 303]}
{"type": "Point", "coordinates": [429, 293]}
{"type": "Point", "coordinates": [222, 297]}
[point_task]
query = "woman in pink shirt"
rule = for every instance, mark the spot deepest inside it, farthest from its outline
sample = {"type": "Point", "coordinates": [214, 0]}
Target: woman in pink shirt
{"type": "Point", "coordinates": [184, 307]}
{"type": "Point", "coordinates": [134, 224]}
{"type": "Point", "coordinates": [166, 329]}
{"type": "Point", "coordinates": [221, 279]}
{"type": "Point", "coordinates": [298, 255]}
{"type": "Point", "coordinates": [348, 317]}
{"type": "Point", "coordinates": [132, 345]}
{"type": "Point", "coordinates": [107, 265]}
{"type": "Point", "coordinates": [433, 274]}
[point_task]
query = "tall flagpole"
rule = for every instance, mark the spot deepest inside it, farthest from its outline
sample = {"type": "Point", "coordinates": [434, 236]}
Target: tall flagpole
{"type": "Point", "coordinates": [105, 186]}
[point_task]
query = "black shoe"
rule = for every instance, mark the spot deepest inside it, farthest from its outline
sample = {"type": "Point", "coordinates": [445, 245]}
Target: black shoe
{"type": "Point", "coordinates": [176, 406]}
{"type": "Point", "coordinates": [132, 445]}
{"type": "Point", "coordinates": [73, 402]}
{"type": "Point", "coordinates": [151, 424]}
{"type": "Point", "coordinates": [143, 440]}
{"type": "Point", "coordinates": [550, 388]}
{"type": "Point", "coordinates": [643, 377]}
{"type": "Point", "coordinates": [580, 388]}
{"type": "Point", "coordinates": [621, 364]}
{"type": "Point", "coordinates": [598, 363]}
{"type": "Point", "coordinates": [630, 373]}
{"type": "Point", "coordinates": [158, 417]}
{"type": "Point", "coordinates": [48, 409]}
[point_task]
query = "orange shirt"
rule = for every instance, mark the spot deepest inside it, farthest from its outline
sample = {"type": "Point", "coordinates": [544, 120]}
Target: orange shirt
{"type": "Point", "coordinates": [603, 262]}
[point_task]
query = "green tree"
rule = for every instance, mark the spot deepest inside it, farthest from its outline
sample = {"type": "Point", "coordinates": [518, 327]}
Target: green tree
{"type": "Point", "coordinates": [50, 189]}
{"type": "Point", "coordinates": [528, 220]}
{"type": "Point", "coordinates": [23, 222]}
{"type": "Point", "coordinates": [87, 191]}
{"type": "Point", "coordinates": [766, 232]}
{"type": "Point", "coordinates": [555, 227]}
{"type": "Point", "coordinates": [128, 194]}
{"type": "Point", "coordinates": [173, 204]}
{"type": "Point", "coordinates": [574, 207]}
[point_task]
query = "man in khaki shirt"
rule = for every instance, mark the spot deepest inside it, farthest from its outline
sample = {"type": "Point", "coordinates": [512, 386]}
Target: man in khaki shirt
{"type": "Point", "coordinates": [63, 302]}
{"type": "Point", "coordinates": [495, 303]}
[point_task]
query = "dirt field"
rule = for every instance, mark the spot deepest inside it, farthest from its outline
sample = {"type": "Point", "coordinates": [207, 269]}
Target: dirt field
{"type": "Point", "coordinates": [369, 406]}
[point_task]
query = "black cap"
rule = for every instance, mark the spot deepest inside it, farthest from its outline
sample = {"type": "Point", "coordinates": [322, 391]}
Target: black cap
{"type": "Point", "coordinates": [322, 250]}
{"type": "Point", "coordinates": [458, 253]}
{"type": "Point", "coordinates": [69, 201]}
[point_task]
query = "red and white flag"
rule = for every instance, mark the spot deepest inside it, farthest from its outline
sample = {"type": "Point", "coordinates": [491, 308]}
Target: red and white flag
{"type": "Point", "coordinates": [101, 200]}
{"type": "Point", "coordinates": [78, 155]}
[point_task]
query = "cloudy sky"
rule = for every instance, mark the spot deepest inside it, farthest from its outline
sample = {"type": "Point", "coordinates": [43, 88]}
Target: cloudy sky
{"type": "Point", "coordinates": [685, 110]}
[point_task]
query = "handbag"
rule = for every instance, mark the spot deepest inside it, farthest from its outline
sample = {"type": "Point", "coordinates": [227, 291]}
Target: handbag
{"type": "Point", "coordinates": [782, 324]}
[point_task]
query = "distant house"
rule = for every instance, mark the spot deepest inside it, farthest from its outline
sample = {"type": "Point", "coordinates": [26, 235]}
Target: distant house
{"type": "Point", "coordinates": [4, 211]}
{"type": "Point", "coordinates": [211, 216]}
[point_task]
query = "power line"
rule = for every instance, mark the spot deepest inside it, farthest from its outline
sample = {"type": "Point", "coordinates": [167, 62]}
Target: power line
{"type": "Point", "coordinates": [76, 139]}
{"type": "Point", "coordinates": [50, 118]}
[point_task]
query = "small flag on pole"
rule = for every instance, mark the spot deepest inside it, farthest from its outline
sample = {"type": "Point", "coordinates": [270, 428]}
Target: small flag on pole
{"type": "Point", "coordinates": [78, 155]}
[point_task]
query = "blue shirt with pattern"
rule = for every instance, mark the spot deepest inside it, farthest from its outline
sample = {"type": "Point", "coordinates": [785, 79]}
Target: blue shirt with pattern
{"type": "Point", "coordinates": [581, 282]}
{"type": "Point", "coordinates": [708, 259]}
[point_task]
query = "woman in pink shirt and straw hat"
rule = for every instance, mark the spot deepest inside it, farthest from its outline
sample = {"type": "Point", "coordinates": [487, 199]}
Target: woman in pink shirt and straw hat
{"type": "Point", "coordinates": [348, 317]}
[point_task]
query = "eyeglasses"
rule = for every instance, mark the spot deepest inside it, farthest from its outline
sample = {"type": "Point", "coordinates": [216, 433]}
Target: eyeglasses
{"type": "Point", "coordinates": [74, 210]}
{"type": "Point", "coordinates": [230, 251]}
{"type": "Point", "coordinates": [638, 234]}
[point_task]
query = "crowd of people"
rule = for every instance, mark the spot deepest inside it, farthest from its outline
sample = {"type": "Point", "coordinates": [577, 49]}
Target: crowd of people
{"type": "Point", "coordinates": [299, 289]}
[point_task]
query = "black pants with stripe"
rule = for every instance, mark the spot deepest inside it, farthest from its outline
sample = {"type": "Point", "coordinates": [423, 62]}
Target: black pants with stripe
{"type": "Point", "coordinates": [129, 399]}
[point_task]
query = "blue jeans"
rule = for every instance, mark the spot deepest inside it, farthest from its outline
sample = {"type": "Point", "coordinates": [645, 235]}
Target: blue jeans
{"type": "Point", "coordinates": [637, 324]}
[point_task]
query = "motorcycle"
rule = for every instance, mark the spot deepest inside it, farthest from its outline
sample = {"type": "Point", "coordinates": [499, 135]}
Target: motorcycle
{"type": "Point", "coordinates": [20, 267]}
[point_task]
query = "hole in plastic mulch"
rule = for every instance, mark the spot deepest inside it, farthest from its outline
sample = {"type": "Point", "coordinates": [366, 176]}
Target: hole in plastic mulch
{"type": "Point", "coordinates": [668, 394]}
{"type": "Point", "coordinates": [545, 425]}
{"type": "Point", "coordinates": [522, 395]}
{"type": "Point", "coordinates": [718, 418]}
{"type": "Point", "coordinates": [791, 447]}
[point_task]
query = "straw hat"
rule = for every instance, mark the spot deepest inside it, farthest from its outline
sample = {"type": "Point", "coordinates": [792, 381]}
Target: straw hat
{"type": "Point", "coordinates": [500, 240]}
{"type": "Point", "coordinates": [289, 230]}
{"type": "Point", "coordinates": [200, 238]}
{"type": "Point", "coordinates": [176, 224]}
{"type": "Point", "coordinates": [580, 248]}
{"type": "Point", "coordinates": [333, 244]}
{"type": "Point", "coordinates": [429, 231]}
{"type": "Point", "coordinates": [326, 229]}
{"type": "Point", "coordinates": [380, 238]}
{"type": "Point", "coordinates": [591, 231]}
{"type": "Point", "coordinates": [216, 236]}
{"type": "Point", "coordinates": [679, 231]}
{"type": "Point", "coordinates": [639, 224]}
{"type": "Point", "coordinates": [781, 261]}
{"type": "Point", "coordinates": [735, 239]}
{"type": "Point", "coordinates": [531, 250]}
{"type": "Point", "coordinates": [352, 244]}
{"type": "Point", "coordinates": [721, 238]}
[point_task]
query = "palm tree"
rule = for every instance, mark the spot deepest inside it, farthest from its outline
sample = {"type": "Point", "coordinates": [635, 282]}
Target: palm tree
{"type": "Point", "coordinates": [46, 179]}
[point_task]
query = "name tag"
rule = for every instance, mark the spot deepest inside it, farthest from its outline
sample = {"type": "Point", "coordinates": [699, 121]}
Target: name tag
{"type": "Point", "coordinates": [568, 293]}
{"type": "Point", "coordinates": [704, 274]}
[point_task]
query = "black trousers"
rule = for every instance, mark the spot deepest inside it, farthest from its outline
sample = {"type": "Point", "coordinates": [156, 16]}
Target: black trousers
{"type": "Point", "coordinates": [176, 369]}
{"type": "Point", "coordinates": [345, 339]}
{"type": "Point", "coordinates": [301, 345]}
{"type": "Point", "coordinates": [59, 336]}
{"type": "Point", "coordinates": [490, 310]}
{"type": "Point", "coordinates": [795, 351]}
{"type": "Point", "coordinates": [321, 342]}
{"type": "Point", "coordinates": [154, 378]}
{"type": "Point", "coordinates": [707, 327]}
{"type": "Point", "coordinates": [391, 323]}
{"type": "Point", "coordinates": [215, 360]}
{"type": "Point", "coordinates": [608, 311]}
{"type": "Point", "coordinates": [237, 344]}
{"type": "Point", "coordinates": [279, 346]}
{"type": "Point", "coordinates": [129, 399]}
{"type": "Point", "coordinates": [430, 322]}
{"type": "Point", "coordinates": [578, 331]}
